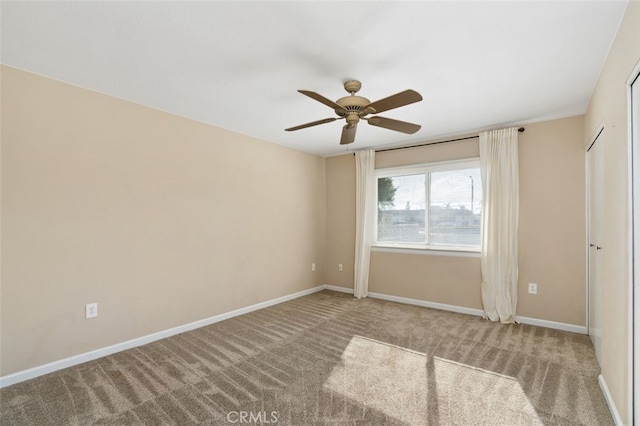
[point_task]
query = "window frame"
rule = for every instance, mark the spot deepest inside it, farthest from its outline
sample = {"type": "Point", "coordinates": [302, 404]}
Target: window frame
{"type": "Point", "coordinates": [426, 169]}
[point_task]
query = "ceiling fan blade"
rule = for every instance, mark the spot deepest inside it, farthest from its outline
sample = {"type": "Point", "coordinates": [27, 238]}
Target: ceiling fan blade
{"type": "Point", "coordinates": [318, 97]}
{"type": "Point", "coordinates": [313, 123]}
{"type": "Point", "coordinates": [394, 101]}
{"type": "Point", "coordinates": [391, 124]}
{"type": "Point", "coordinates": [348, 134]}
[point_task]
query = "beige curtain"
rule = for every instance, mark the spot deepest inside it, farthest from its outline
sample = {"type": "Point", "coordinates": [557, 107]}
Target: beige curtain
{"type": "Point", "coordinates": [500, 209]}
{"type": "Point", "coordinates": [365, 215]}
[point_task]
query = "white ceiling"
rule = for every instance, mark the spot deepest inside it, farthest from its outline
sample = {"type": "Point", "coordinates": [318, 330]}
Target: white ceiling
{"type": "Point", "coordinates": [237, 65]}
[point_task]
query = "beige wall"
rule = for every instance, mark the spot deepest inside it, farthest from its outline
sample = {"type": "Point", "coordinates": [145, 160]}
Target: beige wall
{"type": "Point", "coordinates": [552, 228]}
{"type": "Point", "coordinates": [341, 219]}
{"type": "Point", "coordinates": [608, 106]}
{"type": "Point", "coordinates": [441, 279]}
{"type": "Point", "coordinates": [160, 220]}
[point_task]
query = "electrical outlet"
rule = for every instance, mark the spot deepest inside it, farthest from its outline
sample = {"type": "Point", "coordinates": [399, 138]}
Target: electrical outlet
{"type": "Point", "coordinates": [91, 310]}
{"type": "Point", "coordinates": [313, 267]}
{"type": "Point", "coordinates": [533, 288]}
{"type": "Point", "coordinates": [339, 266]}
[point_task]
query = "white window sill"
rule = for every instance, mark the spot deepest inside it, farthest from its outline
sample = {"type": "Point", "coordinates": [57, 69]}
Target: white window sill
{"type": "Point", "coordinates": [421, 249]}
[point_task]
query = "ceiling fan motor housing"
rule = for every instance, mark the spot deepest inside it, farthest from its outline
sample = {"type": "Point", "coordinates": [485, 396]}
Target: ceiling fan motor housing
{"type": "Point", "coordinates": [352, 103]}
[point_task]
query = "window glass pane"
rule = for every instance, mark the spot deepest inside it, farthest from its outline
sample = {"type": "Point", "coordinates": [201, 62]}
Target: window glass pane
{"type": "Point", "coordinates": [401, 204]}
{"type": "Point", "coordinates": [454, 208]}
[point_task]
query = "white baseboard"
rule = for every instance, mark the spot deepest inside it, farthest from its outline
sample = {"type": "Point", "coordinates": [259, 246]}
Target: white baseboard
{"type": "Point", "coordinates": [463, 310]}
{"type": "Point", "coordinates": [40, 370]}
{"type": "Point", "coordinates": [338, 288]}
{"type": "Point", "coordinates": [607, 396]}
{"type": "Point", "coordinates": [580, 329]}
{"type": "Point", "coordinates": [424, 303]}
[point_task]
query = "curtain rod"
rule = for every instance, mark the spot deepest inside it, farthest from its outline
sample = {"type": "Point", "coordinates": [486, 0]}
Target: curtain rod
{"type": "Point", "coordinates": [520, 130]}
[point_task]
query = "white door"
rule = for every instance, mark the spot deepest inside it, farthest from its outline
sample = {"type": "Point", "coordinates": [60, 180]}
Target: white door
{"type": "Point", "coordinates": [595, 194]}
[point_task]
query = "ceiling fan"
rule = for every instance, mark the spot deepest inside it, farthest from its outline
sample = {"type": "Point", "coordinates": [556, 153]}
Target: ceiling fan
{"type": "Point", "coordinates": [353, 108]}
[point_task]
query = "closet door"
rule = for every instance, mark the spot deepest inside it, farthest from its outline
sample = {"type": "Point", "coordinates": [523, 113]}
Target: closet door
{"type": "Point", "coordinates": [595, 188]}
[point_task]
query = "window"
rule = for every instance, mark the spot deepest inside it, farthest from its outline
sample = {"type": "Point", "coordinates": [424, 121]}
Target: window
{"type": "Point", "coordinates": [433, 206]}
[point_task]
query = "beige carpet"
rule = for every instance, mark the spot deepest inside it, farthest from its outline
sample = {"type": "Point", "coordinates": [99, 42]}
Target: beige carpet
{"type": "Point", "coordinates": [329, 359]}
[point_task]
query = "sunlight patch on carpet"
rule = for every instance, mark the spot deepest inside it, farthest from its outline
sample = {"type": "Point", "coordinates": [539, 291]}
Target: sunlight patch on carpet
{"type": "Point", "coordinates": [409, 387]}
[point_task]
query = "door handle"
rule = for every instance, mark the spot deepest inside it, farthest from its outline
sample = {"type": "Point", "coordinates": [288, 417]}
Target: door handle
{"type": "Point", "coordinates": [598, 248]}
{"type": "Point", "coordinates": [591, 245]}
